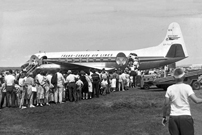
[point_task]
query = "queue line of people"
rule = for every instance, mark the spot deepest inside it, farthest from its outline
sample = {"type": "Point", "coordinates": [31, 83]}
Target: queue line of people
{"type": "Point", "coordinates": [26, 90]}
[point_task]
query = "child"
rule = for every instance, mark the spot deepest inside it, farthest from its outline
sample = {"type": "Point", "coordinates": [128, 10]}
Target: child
{"type": "Point", "coordinates": [104, 86]}
{"type": "Point", "coordinates": [113, 83]}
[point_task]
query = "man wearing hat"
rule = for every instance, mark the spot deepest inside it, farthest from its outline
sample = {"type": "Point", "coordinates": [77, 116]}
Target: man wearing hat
{"type": "Point", "coordinates": [176, 98]}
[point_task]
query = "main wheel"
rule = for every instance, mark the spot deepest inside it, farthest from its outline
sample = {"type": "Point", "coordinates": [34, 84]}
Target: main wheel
{"type": "Point", "coordinates": [195, 85]}
{"type": "Point", "coordinates": [146, 86]}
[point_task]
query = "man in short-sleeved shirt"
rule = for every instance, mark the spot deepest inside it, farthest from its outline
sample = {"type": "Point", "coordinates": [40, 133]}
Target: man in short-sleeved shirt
{"type": "Point", "coordinates": [9, 79]}
{"type": "Point", "coordinates": [176, 98]}
{"type": "Point", "coordinates": [9, 82]}
{"type": "Point", "coordinates": [178, 94]}
{"type": "Point", "coordinates": [71, 81]}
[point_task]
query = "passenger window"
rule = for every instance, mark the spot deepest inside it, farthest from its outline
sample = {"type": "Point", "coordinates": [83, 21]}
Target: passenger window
{"type": "Point", "coordinates": [70, 60]}
{"type": "Point", "coordinates": [106, 59]}
{"type": "Point", "coordinates": [76, 60]}
{"type": "Point", "coordinates": [90, 60]}
{"type": "Point", "coordinates": [112, 59]}
{"type": "Point", "coordinates": [97, 59]}
{"type": "Point", "coordinates": [84, 60]}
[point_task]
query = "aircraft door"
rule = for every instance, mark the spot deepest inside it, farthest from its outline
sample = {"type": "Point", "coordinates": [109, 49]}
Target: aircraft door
{"type": "Point", "coordinates": [43, 60]}
{"type": "Point", "coordinates": [33, 60]}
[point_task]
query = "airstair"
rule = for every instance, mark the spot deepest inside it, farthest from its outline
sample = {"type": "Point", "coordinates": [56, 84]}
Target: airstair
{"type": "Point", "coordinates": [31, 66]}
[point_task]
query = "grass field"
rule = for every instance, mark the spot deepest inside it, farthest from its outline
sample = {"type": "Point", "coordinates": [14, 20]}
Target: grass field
{"type": "Point", "coordinates": [133, 112]}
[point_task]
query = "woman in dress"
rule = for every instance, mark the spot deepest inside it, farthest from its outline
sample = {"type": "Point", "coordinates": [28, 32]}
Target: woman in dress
{"type": "Point", "coordinates": [85, 85]}
{"type": "Point", "coordinates": [90, 85]}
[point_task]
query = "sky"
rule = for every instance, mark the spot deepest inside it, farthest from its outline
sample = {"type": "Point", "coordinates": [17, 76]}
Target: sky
{"type": "Point", "coordinates": [30, 26]}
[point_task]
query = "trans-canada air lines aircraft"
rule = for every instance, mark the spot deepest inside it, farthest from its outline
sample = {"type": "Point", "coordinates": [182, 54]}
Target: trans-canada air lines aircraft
{"type": "Point", "coordinates": [171, 50]}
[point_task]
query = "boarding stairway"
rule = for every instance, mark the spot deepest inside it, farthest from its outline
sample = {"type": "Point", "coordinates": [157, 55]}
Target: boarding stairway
{"type": "Point", "coordinates": [30, 68]}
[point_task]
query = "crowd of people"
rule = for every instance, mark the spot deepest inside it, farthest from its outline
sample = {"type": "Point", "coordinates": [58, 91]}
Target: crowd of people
{"type": "Point", "coordinates": [28, 90]}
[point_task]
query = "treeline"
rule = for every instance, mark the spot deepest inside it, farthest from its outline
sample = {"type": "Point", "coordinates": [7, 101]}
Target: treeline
{"type": "Point", "coordinates": [7, 68]}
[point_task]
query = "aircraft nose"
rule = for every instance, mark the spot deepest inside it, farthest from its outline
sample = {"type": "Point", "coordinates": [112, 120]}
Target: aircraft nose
{"type": "Point", "coordinates": [121, 59]}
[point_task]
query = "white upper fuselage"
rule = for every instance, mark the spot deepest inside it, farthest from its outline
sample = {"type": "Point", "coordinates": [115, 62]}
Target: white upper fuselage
{"type": "Point", "coordinates": [171, 50]}
{"type": "Point", "coordinates": [156, 51]}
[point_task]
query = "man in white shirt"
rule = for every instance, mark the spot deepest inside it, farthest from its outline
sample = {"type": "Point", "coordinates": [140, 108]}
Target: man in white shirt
{"type": "Point", "coordinates": [71, 81]}
{"type": "Point", "coordinates": [176, 98]}
{"type": "Point", "coordinates": [60, 88]}
{"type": "Point", "coordinates": [10, 82]}
{"type": "Point", "coordinates": [103, 74]}
{"type": "Point", "coordinates": [123, 78]}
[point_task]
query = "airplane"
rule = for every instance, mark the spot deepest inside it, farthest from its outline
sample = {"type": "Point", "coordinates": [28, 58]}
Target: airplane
{"type": "Point", "coordinates": [170, 50]}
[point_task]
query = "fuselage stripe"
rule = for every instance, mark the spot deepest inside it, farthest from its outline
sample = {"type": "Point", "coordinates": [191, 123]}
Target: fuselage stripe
{"type": "Point", "coordinates": [101, 59]}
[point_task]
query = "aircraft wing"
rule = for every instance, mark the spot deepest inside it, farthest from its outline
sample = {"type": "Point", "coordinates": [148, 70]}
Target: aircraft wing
{"type": "Point", "coordinates": [97, 65]}
{"type": "Point", "coordinates": [67, 65]}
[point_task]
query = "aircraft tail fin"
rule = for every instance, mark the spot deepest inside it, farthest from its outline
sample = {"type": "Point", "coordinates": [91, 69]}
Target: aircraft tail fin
{"type": "Point", "coordinates": [175, 40]}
